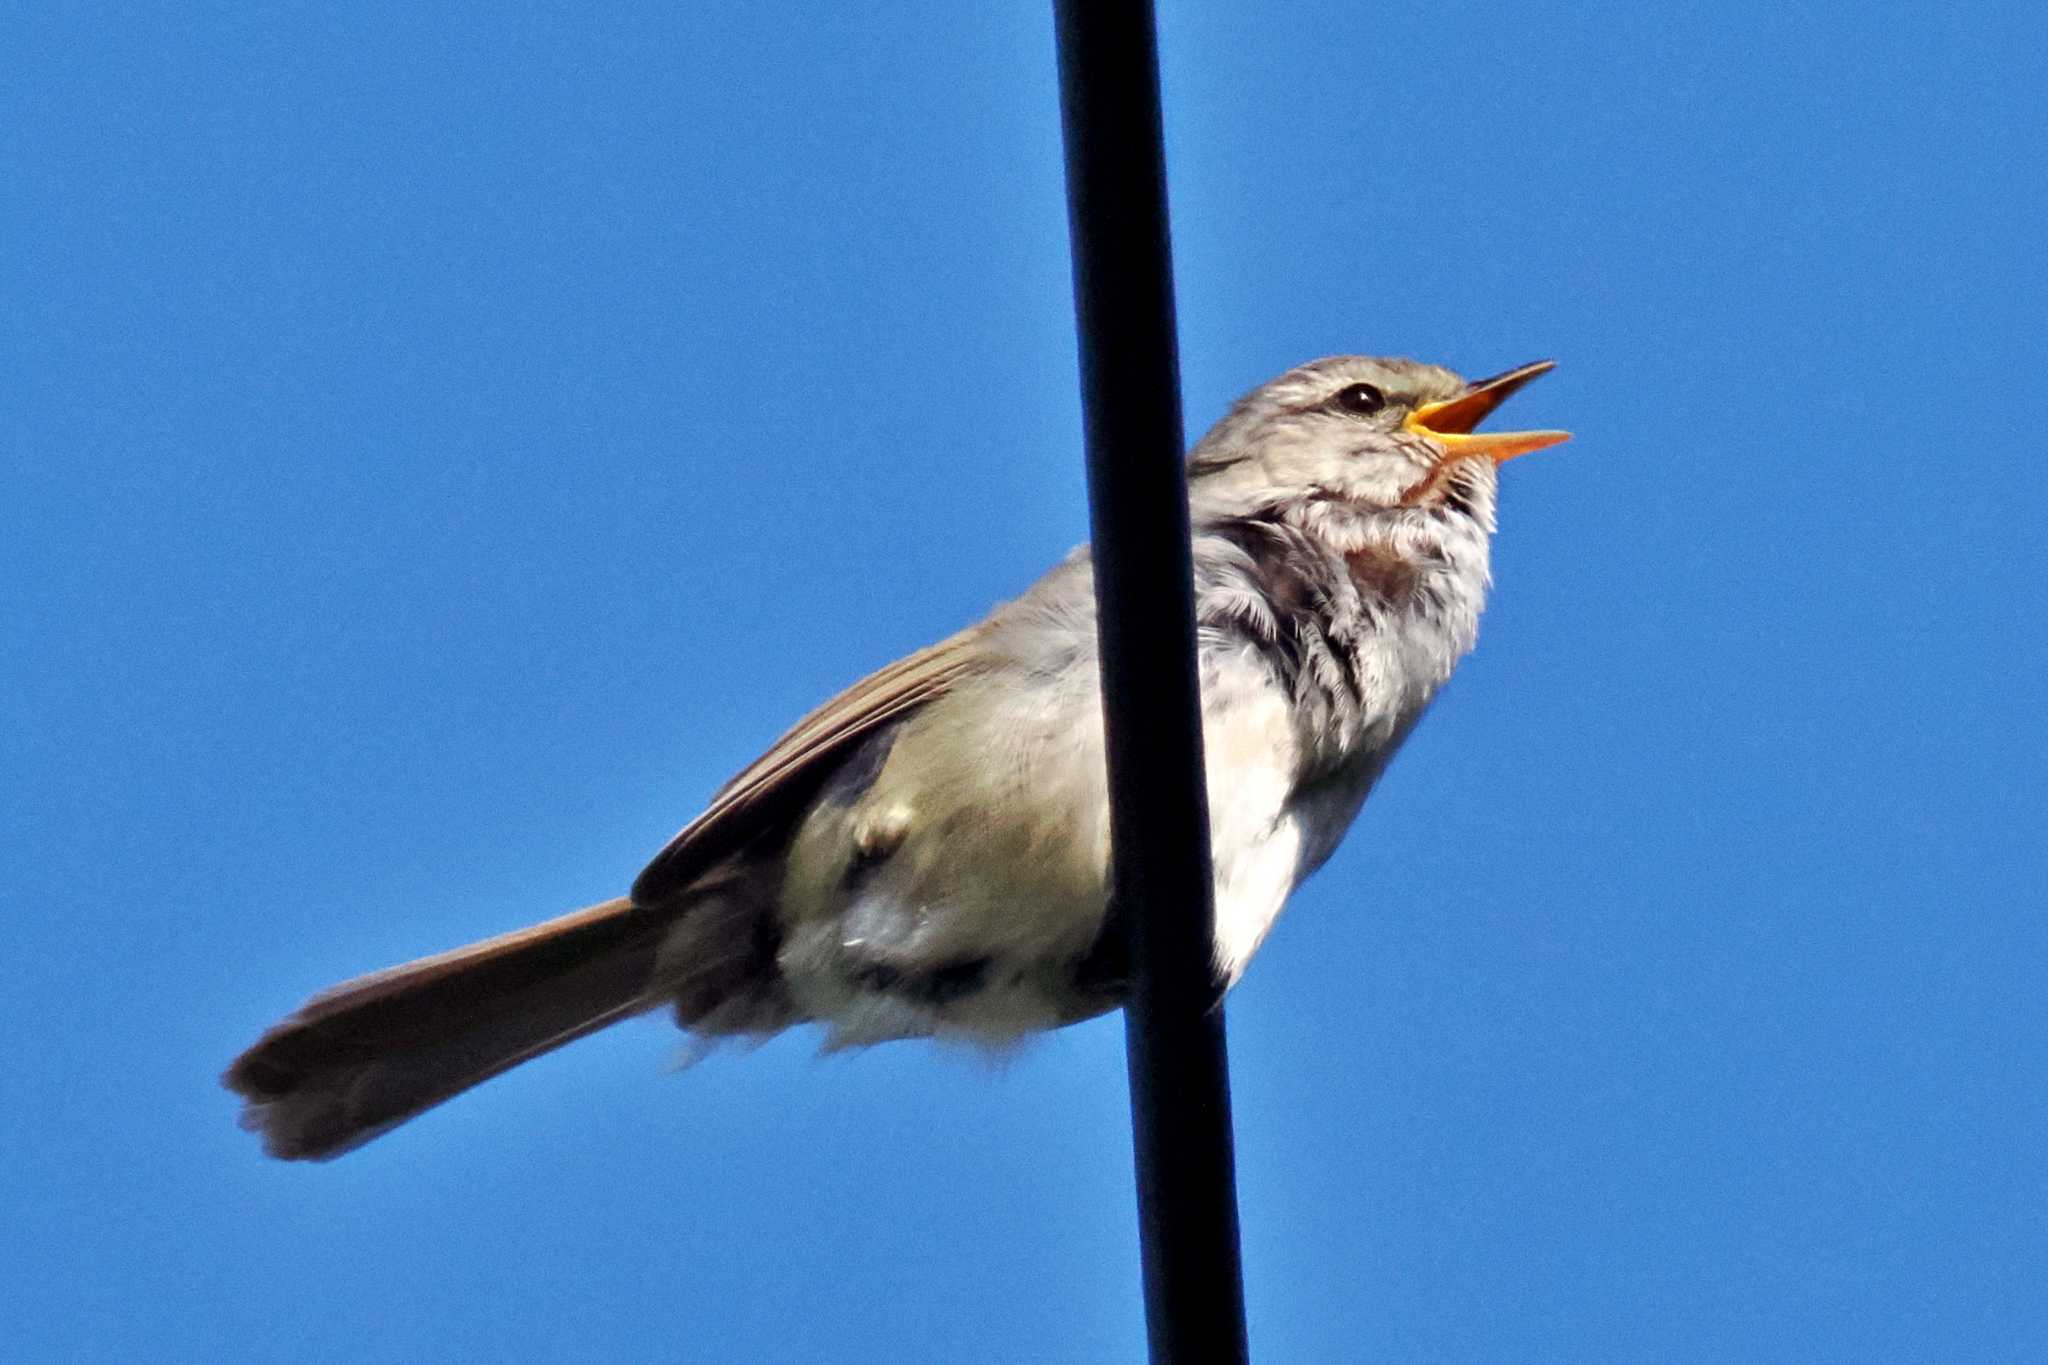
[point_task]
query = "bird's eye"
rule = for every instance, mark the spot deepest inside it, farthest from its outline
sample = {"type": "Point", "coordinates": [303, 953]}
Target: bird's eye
{"type": "Point", "coordinates": [1360, 400]}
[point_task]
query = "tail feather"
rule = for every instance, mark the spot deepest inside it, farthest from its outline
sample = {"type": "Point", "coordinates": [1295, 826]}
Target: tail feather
{"type": "Point", "coordinates": [371, 1053]}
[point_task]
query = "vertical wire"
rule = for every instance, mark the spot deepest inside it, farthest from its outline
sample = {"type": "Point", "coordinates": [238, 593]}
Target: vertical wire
{"type": "Point", "coordinates": [1137, 494]}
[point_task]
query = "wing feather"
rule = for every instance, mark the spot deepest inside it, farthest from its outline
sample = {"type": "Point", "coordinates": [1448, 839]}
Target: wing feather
{"type": "Point", "coordinates": [770, 791]}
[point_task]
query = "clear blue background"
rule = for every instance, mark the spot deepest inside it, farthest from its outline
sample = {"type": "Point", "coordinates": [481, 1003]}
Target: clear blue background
{"type": "Point", "coordinates": [442, 444]}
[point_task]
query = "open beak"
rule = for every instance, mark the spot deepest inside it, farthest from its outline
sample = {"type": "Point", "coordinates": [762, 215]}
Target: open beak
{"type": "Point", "coordinates": [1450, 422]}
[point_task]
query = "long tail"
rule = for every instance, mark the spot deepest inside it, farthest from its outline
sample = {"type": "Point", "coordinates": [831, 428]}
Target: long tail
{"type": "Point", "coordinates": [371, 1053]}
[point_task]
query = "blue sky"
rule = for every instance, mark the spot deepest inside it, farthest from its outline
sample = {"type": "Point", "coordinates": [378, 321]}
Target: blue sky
{"type": "Point", "coordinates": [442, 443]}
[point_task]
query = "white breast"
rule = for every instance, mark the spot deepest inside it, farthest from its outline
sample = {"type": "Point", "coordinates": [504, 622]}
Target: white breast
{"type": "Point", "coordinates": [1249, 743]}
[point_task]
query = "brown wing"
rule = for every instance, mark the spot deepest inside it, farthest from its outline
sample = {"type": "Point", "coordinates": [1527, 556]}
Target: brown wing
{"type": "Point", "coordinates": [774, 787]}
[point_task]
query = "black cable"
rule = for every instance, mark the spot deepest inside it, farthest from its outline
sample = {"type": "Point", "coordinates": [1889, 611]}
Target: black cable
{"type": "Point", "coordinates": [1137, 494]}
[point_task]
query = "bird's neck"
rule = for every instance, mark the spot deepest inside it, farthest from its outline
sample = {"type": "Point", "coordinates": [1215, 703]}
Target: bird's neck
{"type": "Point", "coordinates": [1364, 611]}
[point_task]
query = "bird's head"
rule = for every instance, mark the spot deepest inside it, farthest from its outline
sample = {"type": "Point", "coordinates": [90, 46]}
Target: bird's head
{"type": "Point", "coordinates": [1370, 432]}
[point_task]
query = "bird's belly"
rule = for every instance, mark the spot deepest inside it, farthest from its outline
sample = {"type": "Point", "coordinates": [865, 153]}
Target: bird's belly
{"type": "Point", "coordinates": [1250, 750]}
{"type": "Point", "coordinates": [991, 1002]}
{"type": "Point", "coordinates": [980, 916]}
{"type": "Point", "coordinates": [1252, 885]}
{"type": "Point", "coordinates": [955, 895]}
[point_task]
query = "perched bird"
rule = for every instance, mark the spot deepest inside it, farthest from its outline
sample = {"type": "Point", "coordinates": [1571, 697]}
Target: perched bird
{"type": "Point", "coordinates": [927, 854]}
